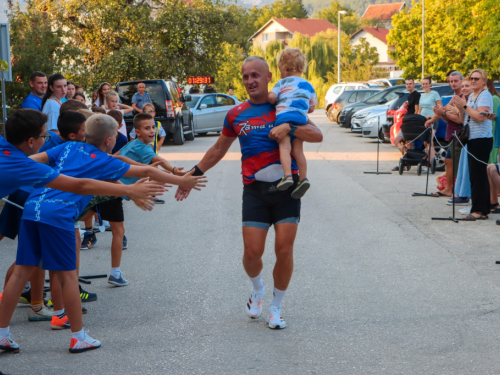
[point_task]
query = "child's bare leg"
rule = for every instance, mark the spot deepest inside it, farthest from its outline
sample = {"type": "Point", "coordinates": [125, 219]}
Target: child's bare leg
{"type": "Point", "coordinates": [118, 230]}
{"type": "Point", "coordinates": [56, 294]}
{"type": "Point", "coordinates": [10, 271]}
{"type": "Point", "coordinates": [285, 157]}
{"type": "Point", "coordinates": [300, 158]}
{"type": "Point", "coordinates": [37, 283]}
{"type": "Point", "coordinates": [12, 292]}
{"type": "Point", "coordinates": [71, 298]}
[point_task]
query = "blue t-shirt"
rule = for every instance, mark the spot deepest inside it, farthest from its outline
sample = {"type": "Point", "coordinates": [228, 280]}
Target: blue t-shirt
{"type": "Point", "coordinates": [294, 94]}
{"type": "Point", "coordinates": [120, 142]}
{"type": "Point", "coordinates": [54, 141]}
{"type": "Point", "coordinates": [61, 209]}
{"type": "Point", "coordinates": [18, 170]}
{"type": "Point", "coordinates": [139, 152]}
{"type": "Point", "coordinates": [140, 100]}
{"type": "Point", "coordinates": [32, 102]}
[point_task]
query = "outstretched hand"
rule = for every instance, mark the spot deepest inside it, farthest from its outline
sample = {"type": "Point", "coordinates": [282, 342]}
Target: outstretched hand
{"type": "Point", "coordinates": [142, 190]}
{"type": "Point", "coordinates": [182, 193]}
{"type": "Point", "coordinates": [193, 182]}
{"type": "Point", "coordinates": [145, 204]}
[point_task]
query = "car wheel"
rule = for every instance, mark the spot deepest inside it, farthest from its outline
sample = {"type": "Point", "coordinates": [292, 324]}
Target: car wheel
{"type": "Point", "coordinates": [419, 169]}
{"type": "Point", "coordinates": [381, 135]}
{"type": "Point", "coordinates": [433, 167]}
{"type": "Point", "coordinates": [330, 114]}
{"type": "Point", "coordinates": [178, 137]}
{"type": "Point", "coordinates": [190, 133]}
{"type": "Point", "coordinates": [401, 167]}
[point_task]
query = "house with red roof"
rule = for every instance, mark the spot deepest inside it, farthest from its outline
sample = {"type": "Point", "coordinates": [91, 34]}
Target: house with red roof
{"type": "Point", "coordinates": [383, 13]}
{"type": "Point", "coordinates": [285, 28]}
{"type": "Point", "coordinates": [376, 37]}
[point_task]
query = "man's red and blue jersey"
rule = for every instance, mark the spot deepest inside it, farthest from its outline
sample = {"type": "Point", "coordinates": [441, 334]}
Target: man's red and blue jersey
{"type": "Point", "coordinates": [251, 123]}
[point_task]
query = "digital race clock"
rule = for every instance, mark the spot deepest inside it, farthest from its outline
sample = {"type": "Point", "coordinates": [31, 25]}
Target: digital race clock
{"type": "Point", "coordinates": [200, 80]}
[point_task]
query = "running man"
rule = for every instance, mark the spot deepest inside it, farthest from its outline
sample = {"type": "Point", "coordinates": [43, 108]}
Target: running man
{"type": "Point", "coordinates": [252, 122]}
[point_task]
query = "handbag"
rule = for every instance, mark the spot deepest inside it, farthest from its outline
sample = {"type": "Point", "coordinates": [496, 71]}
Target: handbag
{"type": "Point", "coordinates": [464, 134]}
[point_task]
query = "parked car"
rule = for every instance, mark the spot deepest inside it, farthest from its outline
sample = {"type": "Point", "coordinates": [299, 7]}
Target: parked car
{"type": "Point", "coordinates": [208, 111]}
{"type": "Point", "coordinates": [170, 107]}
{"type": "Point", "coordinates": [336, 90]}
{"type": "Point", "coordinates": [389, 81]}
{"type": "Point", "coordinates": [360, 118]}
{"type": "Point", "coordinates": [346, 98]}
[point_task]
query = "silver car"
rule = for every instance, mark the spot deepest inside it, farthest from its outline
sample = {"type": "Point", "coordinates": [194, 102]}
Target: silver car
{"type": "Point", "coordinates": [208, 111]}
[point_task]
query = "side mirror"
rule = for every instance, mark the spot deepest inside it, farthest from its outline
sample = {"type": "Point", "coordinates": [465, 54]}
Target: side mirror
{"type": "Point", "coordinates": [382, 101]}
{"type": "Point", "coordinates": [186, 98]}
{"type": "Point", "coordinates": [203, 106]}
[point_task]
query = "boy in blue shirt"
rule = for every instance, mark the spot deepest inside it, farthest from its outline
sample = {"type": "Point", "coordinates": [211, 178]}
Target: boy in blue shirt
{"type": "Point", "coordinates": [26, 131]}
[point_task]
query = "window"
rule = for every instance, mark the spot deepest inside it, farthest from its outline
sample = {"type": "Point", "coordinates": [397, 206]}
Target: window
{"type": "Point", "coordinates": [350, 87]}
{"type": "Point", "coordinates": [154, 89]}
{"type": "Point", "coordinates": [265, 37]}
{"type": "Point", "coordinates": [352, 98]}
{"type": "Point", "coordinates": [209, 101]}
{"type": "Point", "coordinates": [223, 100]}
{"type": "Point", "coordinates": [337, 89]}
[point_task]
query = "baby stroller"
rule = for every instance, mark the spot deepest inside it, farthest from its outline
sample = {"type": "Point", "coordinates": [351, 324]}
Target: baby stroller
{"type": "Point", "coordinates": [413, 129]}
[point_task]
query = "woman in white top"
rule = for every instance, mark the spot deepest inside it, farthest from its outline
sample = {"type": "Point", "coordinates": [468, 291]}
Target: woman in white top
{"type": "Point", "coordinates": [112, 99]}
{"type": "Point", "coordinates": [102, 91]}
{"type": "Point", "coordinates": [428, 100]}
{"type": "Point", "coordinates": [53, 98]}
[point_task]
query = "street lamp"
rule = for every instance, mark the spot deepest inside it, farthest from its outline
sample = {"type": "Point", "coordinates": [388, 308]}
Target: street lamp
{"type": "Point", "coordinates": [338, 67]}
{"type": "Point", "coordinates": [423, 38]}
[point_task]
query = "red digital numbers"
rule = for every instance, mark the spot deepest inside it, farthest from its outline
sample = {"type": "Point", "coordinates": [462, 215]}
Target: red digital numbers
{"type": "Point", "coordinates": [200, 80]}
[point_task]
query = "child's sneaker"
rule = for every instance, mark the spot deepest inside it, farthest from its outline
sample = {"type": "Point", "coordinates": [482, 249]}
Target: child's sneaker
{"type": "Point", "coordinates": [120, 281]}
{"type": "Point", "coordinates": [89, 241]}
{"type": "Point", "coordinates": [25, 298]}
{"type": "Point", "coordinates": [254, 304]}
{"type": "Point", "coordinates": [301, 189]}
{"type": "Point", "coordinates": [274, 318]}
{"type": "Point", "coordinates": [285, 183]}
{"type": "Point", "coordinates": [59, 323]}
{"type": "Point", "coordinates": [44, 315]}
{"type": "Point", "coordinates": [9, 345]}
{"type": "Point", "coordinates": [125, 243]}
{"type": "Point", "coordinates": [86, 296]}
{"type": "Point", "coordinates": [88, 343]}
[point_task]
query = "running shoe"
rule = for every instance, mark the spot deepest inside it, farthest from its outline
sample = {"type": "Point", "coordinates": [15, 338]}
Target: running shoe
{"type": "Point", "coordinates": [9, 345]}
{"type": "Point", "coordinates": [125, 243]}
{"type": "Point", "coordinates": [44, 315]}
{"type": "Point", "coordinates": [88, 343]}
{"type": "Point", "coordinates": [59, 323]}
{"type": "Point", "coordinates": [254, 304]}
{"type": "Point", "coordinates": [275, 319]}
{"type": "Point", "coordinates": [86, 296]}
{"type": "Point", "coordinates": [107, 226]}
{"type": "Point", "coordinates": [465, 211]}
{"type": "Point", "coordinates": [25, 298]}
{"type": "Point", "coordinates": [159, 201]}
{"type": "Point", "coordinates": [120, 281]}
{"type": "Point", "coordinates": [459, 201]}
{"type": "Point", "coordinates": [89, 241]}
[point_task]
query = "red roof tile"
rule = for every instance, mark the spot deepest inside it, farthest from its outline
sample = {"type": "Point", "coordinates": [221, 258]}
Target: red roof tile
{"type": "Point", "coordinates": [378, 33]}
{"type": "Point", "coordinates": [306, 26]}
{"type": "Point", "coordinates": [383, 11]}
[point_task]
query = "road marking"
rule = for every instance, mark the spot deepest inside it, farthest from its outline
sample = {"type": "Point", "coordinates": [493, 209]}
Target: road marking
{"type": "Point", "coordinates": [330, 156]}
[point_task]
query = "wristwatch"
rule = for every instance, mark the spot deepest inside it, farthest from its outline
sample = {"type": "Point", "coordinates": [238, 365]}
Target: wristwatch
{"type": "Point", "coordinates": [465, 106]}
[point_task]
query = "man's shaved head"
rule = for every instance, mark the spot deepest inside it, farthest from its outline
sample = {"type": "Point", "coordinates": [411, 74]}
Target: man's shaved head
{"type": "Point", "coordinates": [256, 75]}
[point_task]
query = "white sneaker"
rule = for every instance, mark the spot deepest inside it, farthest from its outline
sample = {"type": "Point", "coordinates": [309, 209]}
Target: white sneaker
{"type": "Point", "coordinates": [254, 304]}
{"type": "Point", "coordinates": [274, 318]}
{"type": "Point", "coordinates": [9, 345]}
{"type": "Point", "coordinates": [88, 343]}
{"type": "Point", "coordinates": [465, 211]}
{"type": "Point", "coordinates": [43, 315]}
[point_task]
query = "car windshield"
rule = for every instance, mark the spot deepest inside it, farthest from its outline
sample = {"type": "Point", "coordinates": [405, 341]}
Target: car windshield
{"type": "Point", "coordinates": [193, 102]}
{"type": "Point", "coordinates": [154, 89]}
{"type": "Point", "coordinates": [375, 98]}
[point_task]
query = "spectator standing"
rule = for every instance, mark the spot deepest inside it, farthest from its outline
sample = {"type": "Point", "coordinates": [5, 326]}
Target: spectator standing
{"type": "Point", "coordinates": [112, 99]}
{"type": "Point", "coordinates": [52, 100]}
{"type": "Point", "coordinates": [71, 90]}
{"type": "Point", "coordinates": [80, 96]}
{"type": "Point", "coordinates": [428, 100]}
{"type": "Point", "coordinates": [38, 84]}
{"type": "Point", "coordinates": [79, 89]}
{"type": "Point", "coordinates": [496, 102]}
{"type": "Point", "coordinates": [230, 92]}
{"type": "Point", "coordinates": [140, 98]}
{"type": "Point", "coordinates": [103, 89]}
{"type": "Point", "coordinates": [480, 141]}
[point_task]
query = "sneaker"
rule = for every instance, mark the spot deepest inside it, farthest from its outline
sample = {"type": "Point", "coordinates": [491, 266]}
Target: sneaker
{"type": "Point", "coordinates": [84, 310]}
{"type": "Point", "coordinates": [59, 323]}
{"type": "Point", "coordinates": [459, 201]}
{"type": "Point", "coordinates": [89, 241]}
{"type": "Point", "coordinates": [159, 201]}
{"type": "Point", "coordinates": [117, 281]}
{"type": "Point", "coordinates": [44, 315]}
{"type": "Point", "coordinates": [254, 304]}
{"type": "Point", "coordinates": [107, 226]}
{"type": "Point", "coordinates": [274, 318]}
{"type": "Point", "coordinates": [125, 244]}
{"type": "Point", "coordinates": [25, 298]}
{"type": "Point", "coordinates": [88, 343]}
{"type": "Point", "coordinates": [465, 211]}
{"type": "Point", "coordinates": [9, 345]}
{"type": "Point", "coordinates": [301, 189]}
{"type": "Point", "coordinates": [86, 296]}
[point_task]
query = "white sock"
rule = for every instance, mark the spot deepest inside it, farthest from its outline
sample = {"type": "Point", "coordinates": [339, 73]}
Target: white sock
{"type": "Point", "coordinates": [4, 332]}
{"type": "Point", "coordinates": [27, 287]}
{"type": "Point", "coordinates": [57, 312]}
{"type": "Point", "coordinates": [115, 272]}
{"type": "Point", "coordinates": [257, 282]}
{"type": "Point", "coordinates": [80, 335]}
{"type": "Point", "coordinates": [277, 297]}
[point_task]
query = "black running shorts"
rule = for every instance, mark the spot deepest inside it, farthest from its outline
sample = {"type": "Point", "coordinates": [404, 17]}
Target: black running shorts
{"type": "Point", "coordinates": [111, 210]}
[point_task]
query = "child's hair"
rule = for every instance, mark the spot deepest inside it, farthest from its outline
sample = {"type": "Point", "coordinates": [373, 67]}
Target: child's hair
{"type": "Point", "coordinates": [80, 94]}
{"type": "Point", "coordinates": [98, 128]}
{"type": "Point", "coordinates": [150, 105]}
{"type": "Point", "coordinates": [53, 78]}
{"type": "Point", "coordinates": [100, 95]}
{"type": "Point", "coordinates": [72, 105]}
{"type": "Point", "coordinates": [292, 60]}
{"type": "Point", "coordinates": [111, 93]}
{"type": "Point", "coordinates": [24, 124]}
{"type": "Point", "coordinates": [117, 115]}
{"type": "Point", "coordinates": [70, 122]}
{"type": "Point", "coordinates": [86, 112]}
{"type": "Point", "coordinates": [139, 118]}
{"type": "Point", "coordinates": [99, 110]}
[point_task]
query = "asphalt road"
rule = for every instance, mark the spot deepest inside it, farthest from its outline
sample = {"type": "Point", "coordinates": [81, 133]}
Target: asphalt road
{"type": "Point", "coordinates": [378, 287]}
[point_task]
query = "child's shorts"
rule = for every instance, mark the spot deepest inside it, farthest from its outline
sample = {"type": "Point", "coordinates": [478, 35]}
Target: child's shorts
{"type": "Point", "coordinates": [294, 117]}
{"type": "Point", "coordinates": [10, 218]}
{"type": "Point", "coordinates": [52, 248]}
{"type": "Point", "coordinates": [111, 210]}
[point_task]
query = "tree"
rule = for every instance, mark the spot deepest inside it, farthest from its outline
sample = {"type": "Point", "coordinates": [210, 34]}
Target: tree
{"type": "Point", "coordinates": [229, 73]}
{"type": "Point", "coordinates": [280, 9]}
{"type": "Point", "coordinates": [349, 22]}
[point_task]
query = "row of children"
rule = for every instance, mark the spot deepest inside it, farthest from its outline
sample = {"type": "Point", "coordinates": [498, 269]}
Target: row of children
{"type": "Point", "coordinates": [60, 182]}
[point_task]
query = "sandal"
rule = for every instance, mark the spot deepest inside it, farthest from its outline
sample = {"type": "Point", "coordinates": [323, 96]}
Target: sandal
{"type": "Point", "coordinates": [301, 189]}
{"type": "Point", "coordinates": [472, 217]}
{"type": "Point", "coordinates": [285, 183]}
{"type": "Point", "coordinates": [495, 210]}
{"type": "Point", "coordinates": [439, 194]}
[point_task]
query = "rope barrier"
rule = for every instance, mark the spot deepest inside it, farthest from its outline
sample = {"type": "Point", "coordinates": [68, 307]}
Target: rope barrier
{"type": "Point", "coordinates": [12, 203]}
{"type": "Point", "coordinates": [463, 147]}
